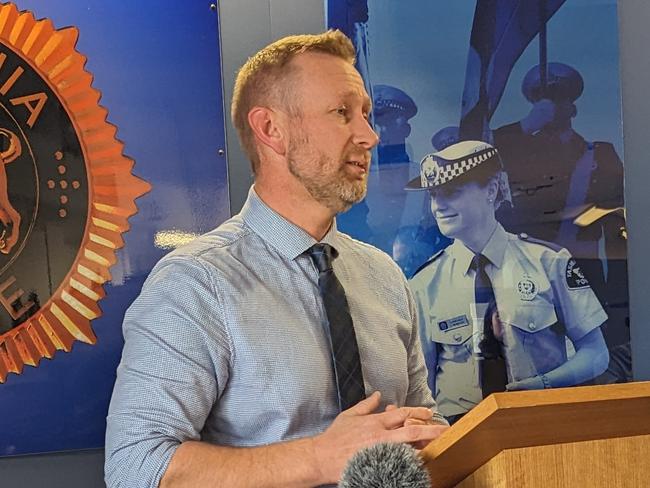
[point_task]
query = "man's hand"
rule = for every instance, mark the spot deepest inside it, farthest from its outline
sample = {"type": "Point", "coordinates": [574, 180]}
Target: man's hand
{"type": "Point", "coordinates": [360, 427]}
{"type": "Point", "coordinates": [419, 416]}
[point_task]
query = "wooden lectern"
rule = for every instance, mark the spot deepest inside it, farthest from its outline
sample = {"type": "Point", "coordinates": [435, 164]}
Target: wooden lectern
{"type": "Point", "coordinates": [595, 436]}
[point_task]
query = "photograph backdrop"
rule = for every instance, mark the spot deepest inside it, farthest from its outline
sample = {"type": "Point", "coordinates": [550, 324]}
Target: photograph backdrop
{"type": "Point", "coordinates": [440, 72]}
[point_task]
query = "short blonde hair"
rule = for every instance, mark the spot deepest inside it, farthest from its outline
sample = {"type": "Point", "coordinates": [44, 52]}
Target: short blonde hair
{"type": "Point", "coordinates": [264, 79]}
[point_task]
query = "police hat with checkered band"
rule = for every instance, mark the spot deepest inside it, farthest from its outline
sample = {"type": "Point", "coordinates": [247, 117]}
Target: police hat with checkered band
{"type": "Point", "coordinates": [452, 162]}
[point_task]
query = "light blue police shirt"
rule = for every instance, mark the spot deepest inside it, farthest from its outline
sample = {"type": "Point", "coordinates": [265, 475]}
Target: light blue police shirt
{"type": "Point", "coordinates": [542, 298]}
{"type": "Point", "coordinates": [228, 343]}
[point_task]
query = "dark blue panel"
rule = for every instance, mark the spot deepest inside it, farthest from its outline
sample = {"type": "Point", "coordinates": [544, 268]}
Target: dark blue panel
{"type": "Point", "coordinates": [157, 66]}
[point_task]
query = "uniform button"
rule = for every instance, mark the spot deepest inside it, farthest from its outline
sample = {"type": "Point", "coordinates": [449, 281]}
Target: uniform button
{"type": "Point", "coordinates": [458, 337]}
{"type": "Point", "coordinates": [532, 326]}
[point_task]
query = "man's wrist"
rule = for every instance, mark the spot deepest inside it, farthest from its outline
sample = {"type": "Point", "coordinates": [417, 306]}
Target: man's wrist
{"type": "Point", "coordinates": [317, 458]}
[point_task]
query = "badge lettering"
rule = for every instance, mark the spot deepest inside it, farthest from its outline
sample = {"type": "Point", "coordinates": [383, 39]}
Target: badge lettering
{"type": "Point", "coordinates": [453, 323]}
{"type": "Point", "coordinates": [575, 278]}
{"type": "Point", "coordinates": [66, 190]}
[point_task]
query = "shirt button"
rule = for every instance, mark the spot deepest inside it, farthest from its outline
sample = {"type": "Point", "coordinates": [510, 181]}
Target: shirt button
{"type": "Point", "coordinates": [532, 326]}
{"type": "Point", "coordinates": [458, 337]}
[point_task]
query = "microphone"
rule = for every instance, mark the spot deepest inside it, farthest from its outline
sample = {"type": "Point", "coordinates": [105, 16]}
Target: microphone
{"type": "Point", "coordinates": [386, 465]}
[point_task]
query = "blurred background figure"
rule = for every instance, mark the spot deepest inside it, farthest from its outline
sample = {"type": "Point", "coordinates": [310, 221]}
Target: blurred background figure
{"type": "Point", "coordinates": [377, 218]}
{"type": "Point", "coordinates": [557, 176]}
{"type": "Point", "coordinates": [415, 244]}
{"type": "Point", "coordinates": [554, 172]}
{"type": "Point", "coordinates": [445, 137]}
{"type": "Point", "coordinates": [392, 109]}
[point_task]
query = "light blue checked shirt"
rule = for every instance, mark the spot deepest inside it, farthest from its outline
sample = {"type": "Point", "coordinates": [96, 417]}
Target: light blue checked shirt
{"type": "Point", "coordinates": [228, 343]}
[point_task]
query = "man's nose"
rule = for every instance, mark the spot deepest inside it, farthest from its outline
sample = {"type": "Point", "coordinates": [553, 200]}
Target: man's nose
{"type": "Point", "coordinates": [364, 135]}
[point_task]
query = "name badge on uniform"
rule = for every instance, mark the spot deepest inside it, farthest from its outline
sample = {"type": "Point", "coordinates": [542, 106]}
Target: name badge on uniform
{"type": "Point", "coordinates": [453, 323]}
{"type": "Point", "coordinates": [527, 289]}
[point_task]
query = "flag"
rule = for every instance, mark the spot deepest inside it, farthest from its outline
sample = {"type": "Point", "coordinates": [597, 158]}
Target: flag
{"type": "Point", "coordinates": [351, 18]}
{"type": "Point", "coordinates": [344, 14]}
{"type": "Point", "coordinates": [501, 31]}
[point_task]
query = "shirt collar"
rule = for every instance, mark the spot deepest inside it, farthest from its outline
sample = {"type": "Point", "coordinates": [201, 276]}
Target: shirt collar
{"type": "Point", "coordinates": [287, 238]}
{"type": "Point", "coordinates": [494, 250]}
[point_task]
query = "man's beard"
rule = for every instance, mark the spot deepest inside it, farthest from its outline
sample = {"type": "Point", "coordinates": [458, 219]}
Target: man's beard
{"type": "Point", "coordinates": [325, 179]}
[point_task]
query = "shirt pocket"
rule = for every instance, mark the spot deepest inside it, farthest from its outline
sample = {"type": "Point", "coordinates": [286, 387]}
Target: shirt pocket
{"type": "Point", "coordinates": [534, 345]}
{"type": "Point", "coordinates": [533, 318]}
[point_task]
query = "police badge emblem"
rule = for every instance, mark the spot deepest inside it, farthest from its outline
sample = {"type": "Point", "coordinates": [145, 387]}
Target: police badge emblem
{"type": "Point", "coordinates": [66, 193]}
{"type": "Point", "coordinates": [527, 288]}
{"type": "Point", "coordinates": [429, 171]}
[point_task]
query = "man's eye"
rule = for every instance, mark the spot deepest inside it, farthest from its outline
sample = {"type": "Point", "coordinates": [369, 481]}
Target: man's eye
{"type": "Point", "coordinates": [342, 111]}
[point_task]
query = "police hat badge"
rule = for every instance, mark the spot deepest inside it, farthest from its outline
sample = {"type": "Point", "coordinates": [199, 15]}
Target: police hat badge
{"type": "Point", "coordinates": [429, 171]}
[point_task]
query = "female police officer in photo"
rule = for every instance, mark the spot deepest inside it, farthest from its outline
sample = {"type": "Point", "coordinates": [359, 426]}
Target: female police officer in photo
{"type": "Point", "coordinates": [495, 308]}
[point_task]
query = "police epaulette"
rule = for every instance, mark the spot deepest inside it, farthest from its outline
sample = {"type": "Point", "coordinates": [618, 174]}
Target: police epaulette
{"type": "Point", "coordinates": [551, 245]}
{"type": "Point", "coordinates": [604, 151]}
{"type": "Point", "coordinates": [429, 261]}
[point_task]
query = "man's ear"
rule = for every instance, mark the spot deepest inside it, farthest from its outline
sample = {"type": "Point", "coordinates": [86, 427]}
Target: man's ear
{"type": "Point", "coordinates": [268, 129]}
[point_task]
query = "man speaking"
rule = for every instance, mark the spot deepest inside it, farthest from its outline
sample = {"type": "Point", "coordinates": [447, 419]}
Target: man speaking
{"type": "Point", "coordinates": [270, 350]}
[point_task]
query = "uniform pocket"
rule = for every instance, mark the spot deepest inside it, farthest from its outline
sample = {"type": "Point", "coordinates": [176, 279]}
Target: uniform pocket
{"type": "Point", "coordinates": [531, 317]}
{"type": "Point", "coordinates": [533, 344]}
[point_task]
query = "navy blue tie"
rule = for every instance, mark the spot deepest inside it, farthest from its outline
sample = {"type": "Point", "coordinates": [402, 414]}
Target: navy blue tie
{"type": "Point", "coordinates": [494, 376]}
{"type": "Point", "coordinates": [343, 340]}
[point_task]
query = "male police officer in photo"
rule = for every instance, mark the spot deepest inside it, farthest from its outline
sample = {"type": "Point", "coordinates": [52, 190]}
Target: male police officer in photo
{"type": "Point", "coordinates": [270, 350]}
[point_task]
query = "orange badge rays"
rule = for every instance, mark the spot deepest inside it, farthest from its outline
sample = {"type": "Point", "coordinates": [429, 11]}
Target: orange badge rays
{"type": "Point", "coordinates": [112, 191]}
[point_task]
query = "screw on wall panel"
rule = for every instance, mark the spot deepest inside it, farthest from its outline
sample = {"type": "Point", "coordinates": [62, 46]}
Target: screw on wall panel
{"type": "Point", "coordinates": [221, 152]}
{"type": "Point", "coordinates": [213, 6]}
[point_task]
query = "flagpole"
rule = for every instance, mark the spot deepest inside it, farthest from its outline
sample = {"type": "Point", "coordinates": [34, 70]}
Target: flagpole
{"type": "Point", "coordinates": [543, 54]}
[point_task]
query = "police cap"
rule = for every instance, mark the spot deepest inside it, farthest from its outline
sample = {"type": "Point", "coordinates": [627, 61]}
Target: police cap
{"type": "Point", "coordinates": [562, 83]}
{"type": "Point", "coordinates": [390, 99]}
{"type": "Point", "coordinates": [445, 137]}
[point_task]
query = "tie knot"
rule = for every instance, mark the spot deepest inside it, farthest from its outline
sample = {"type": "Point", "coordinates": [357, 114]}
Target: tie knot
{"type": "Point", "coordinates": [322, 255]}
{"type": "Point", "coordinates": [479, 261]}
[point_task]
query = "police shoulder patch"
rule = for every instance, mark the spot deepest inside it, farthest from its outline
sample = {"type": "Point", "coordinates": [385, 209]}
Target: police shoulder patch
{"type": "Point", "coordinates": [429, 261]}
{"type": "Point", "coordinates": [575, 278]}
